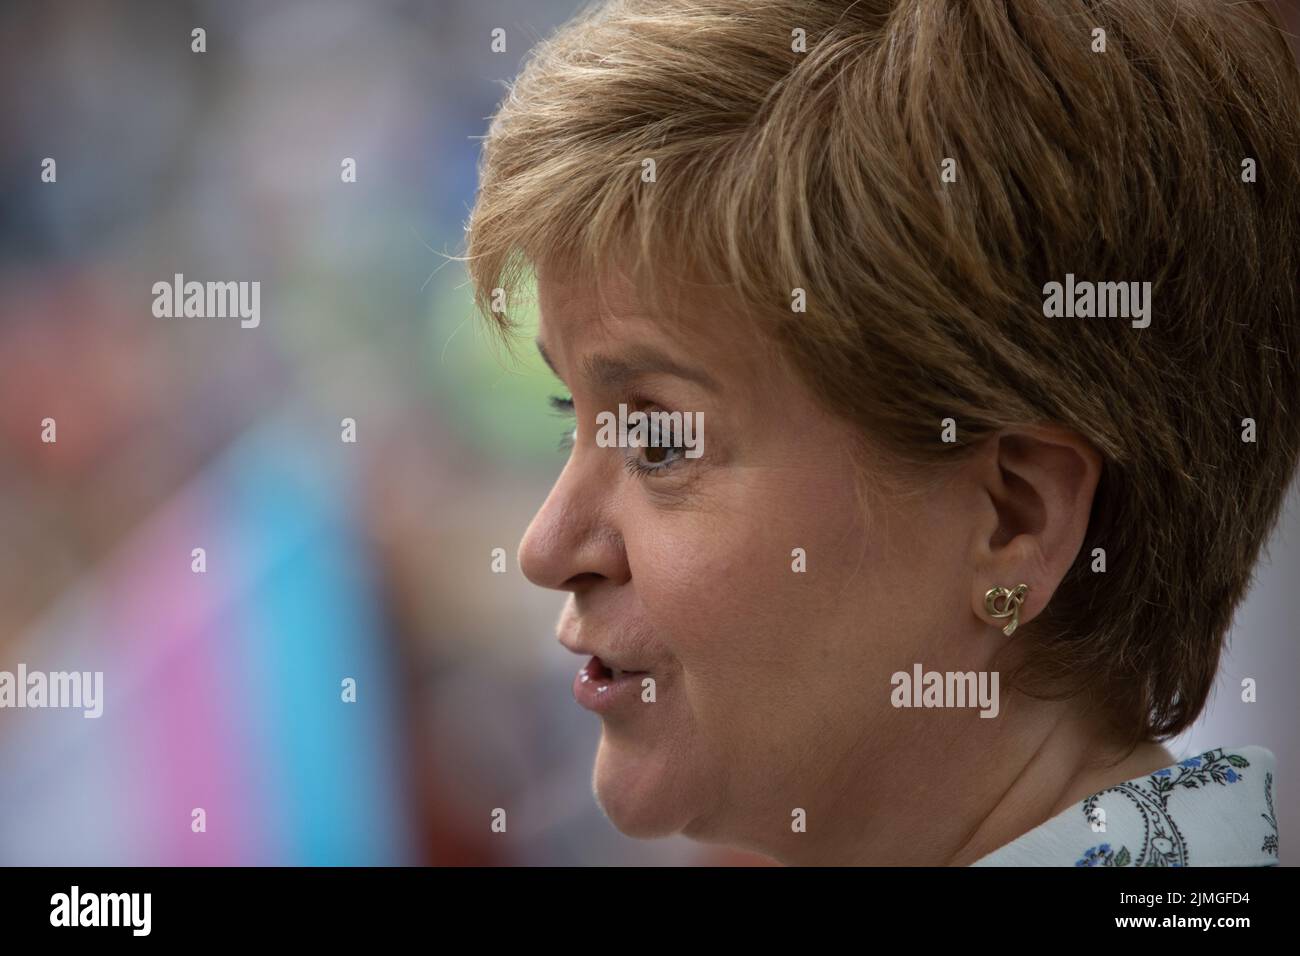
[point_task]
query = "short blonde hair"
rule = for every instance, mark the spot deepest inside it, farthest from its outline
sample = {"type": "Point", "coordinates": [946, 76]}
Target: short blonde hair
{"type": "Point", "coordinates": [820, 169]}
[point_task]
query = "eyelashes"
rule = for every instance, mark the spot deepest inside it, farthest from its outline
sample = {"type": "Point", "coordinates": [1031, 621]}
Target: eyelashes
{"type": "Point", "coordinates": [562, 405]}
{"type": "Point", "coordinates": [640, 469]}
{"type": "Point", "coordinates": [632, 462]}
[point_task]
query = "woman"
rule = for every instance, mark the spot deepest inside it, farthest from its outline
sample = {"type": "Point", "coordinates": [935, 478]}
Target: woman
{"type": "Point", "coordinates": [988, 316]}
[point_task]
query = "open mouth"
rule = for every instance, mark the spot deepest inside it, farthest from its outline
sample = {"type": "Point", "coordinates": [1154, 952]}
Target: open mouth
{"type": "Point", "coordinates": [598, 671]}
{"type": "Point", "coordinates": [608, 690]}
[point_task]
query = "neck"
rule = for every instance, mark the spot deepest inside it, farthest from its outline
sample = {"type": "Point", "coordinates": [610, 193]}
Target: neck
{"type": "Point", "coordinates": [986, 787]}
{"type": "Point", "coordinates": [1066, 768]}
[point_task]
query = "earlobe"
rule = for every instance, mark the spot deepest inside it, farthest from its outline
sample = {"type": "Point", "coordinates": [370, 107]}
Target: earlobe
{"type": "Point", "coordinates": [1002, 603]}
{"type": "Point", "coordinates": [1010, 585]}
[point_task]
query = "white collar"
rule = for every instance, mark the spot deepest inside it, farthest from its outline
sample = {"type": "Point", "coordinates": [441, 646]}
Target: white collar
{"type": "Point", "coordinates": [1214, 809]}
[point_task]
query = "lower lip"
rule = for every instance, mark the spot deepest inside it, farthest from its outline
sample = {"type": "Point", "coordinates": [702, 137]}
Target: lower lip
{"type": "Point", "coordinates": [598, 691]}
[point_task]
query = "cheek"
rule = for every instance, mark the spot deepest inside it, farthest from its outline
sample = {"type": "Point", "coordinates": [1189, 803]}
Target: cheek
{"type": "Point", "coordinates": [762, 633]}
{"type": "Point", "coordinates": [741, 611]}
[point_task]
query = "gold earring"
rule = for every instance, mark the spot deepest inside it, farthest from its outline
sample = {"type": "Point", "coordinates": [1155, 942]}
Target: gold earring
{"type": "Point", "coordinates": [1010, 606]}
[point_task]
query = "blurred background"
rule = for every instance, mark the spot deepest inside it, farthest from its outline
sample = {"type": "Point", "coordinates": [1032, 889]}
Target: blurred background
{"type": "Point", "coordinates": [324, 559]}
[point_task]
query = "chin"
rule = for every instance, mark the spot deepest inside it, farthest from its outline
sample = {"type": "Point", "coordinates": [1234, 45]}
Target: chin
{"type": "Point", "coordinates": [637, 793]}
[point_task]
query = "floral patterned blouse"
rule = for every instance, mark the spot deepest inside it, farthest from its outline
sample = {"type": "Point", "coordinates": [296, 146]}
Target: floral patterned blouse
{"type": "Point", "coordinates": [1215, 809]}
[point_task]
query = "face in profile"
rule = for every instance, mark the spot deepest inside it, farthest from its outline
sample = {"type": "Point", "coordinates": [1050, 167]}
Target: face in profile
{"type": "Point", "coordinates": [769, 675]}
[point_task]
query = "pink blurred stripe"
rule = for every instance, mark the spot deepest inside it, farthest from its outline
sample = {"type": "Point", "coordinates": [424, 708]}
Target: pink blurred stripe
{"type": "Point", "coordinates": [183, 731]}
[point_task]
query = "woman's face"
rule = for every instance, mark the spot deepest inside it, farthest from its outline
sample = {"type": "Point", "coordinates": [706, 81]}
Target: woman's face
{"type": "Point", "coordinates": [771, 685]}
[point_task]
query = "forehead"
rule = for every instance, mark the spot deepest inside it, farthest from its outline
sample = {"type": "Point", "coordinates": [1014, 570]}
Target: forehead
{"type": "Point", "coordinates": [692, 324]}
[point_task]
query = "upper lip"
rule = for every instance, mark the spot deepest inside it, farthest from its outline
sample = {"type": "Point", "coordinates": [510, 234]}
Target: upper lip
{"type": "Point", "coordinates": [608, 660]}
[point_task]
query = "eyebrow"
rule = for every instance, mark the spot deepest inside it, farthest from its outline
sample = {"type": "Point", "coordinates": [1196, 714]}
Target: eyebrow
{"type": "Point", "coordinates": [638, 362]}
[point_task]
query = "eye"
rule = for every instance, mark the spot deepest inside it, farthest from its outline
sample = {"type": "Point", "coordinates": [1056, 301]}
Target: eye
{"type": "Point", "coordinates": [645, 462]}
{"type": "Point", "coordinates": [654, 458]}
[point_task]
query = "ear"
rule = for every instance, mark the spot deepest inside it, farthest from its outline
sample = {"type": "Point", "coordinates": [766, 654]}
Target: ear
{"type": "Point", "coordinates": [1036, 487]}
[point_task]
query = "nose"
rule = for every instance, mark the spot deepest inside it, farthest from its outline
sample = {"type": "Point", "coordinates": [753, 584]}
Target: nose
{"type": "Point", "coordinates": [574, 540]}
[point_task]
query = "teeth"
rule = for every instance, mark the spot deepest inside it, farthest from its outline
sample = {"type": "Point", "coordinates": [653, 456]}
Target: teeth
{"type": "Point", "coordinates": [617, 673]}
